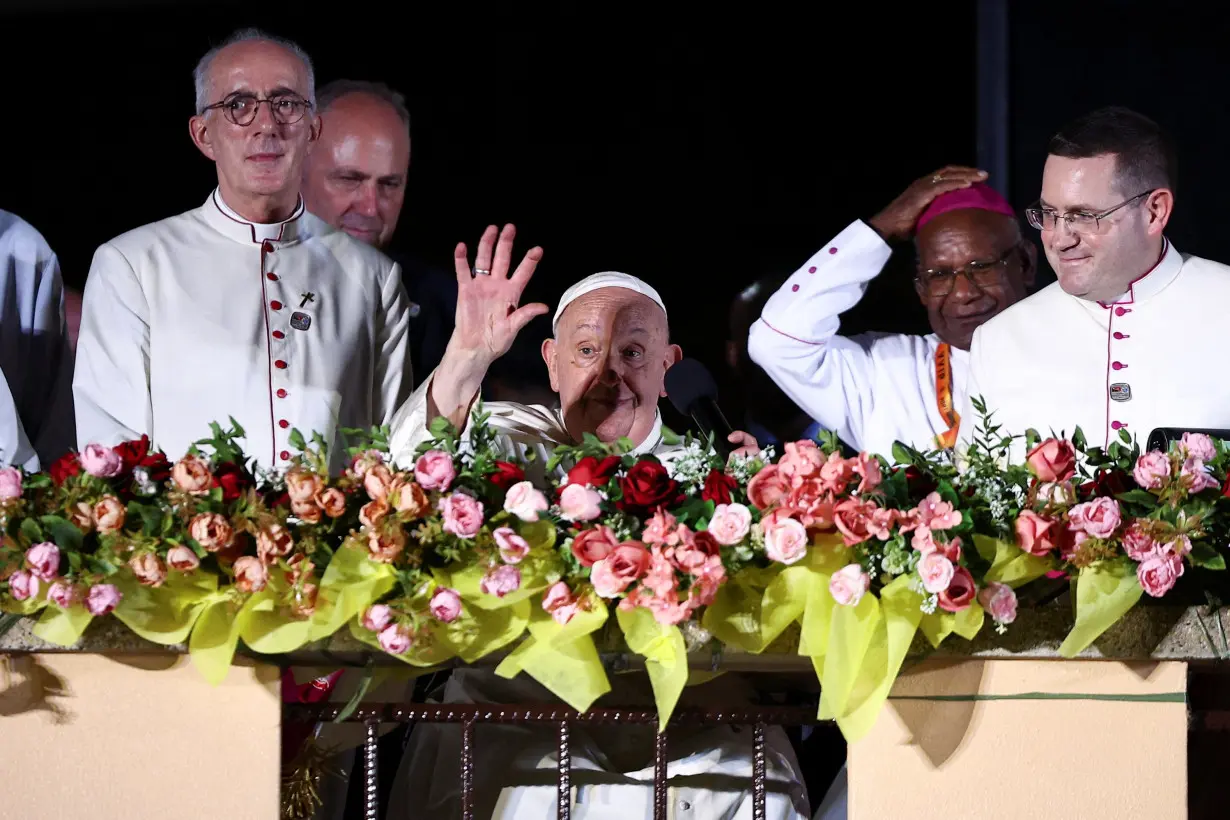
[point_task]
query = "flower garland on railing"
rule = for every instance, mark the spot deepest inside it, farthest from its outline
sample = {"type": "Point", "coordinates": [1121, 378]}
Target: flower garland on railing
{"type": "Point", "coordinates": [459, 555]}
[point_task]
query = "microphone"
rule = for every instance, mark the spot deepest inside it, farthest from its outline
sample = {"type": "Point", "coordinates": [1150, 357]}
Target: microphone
{"type": "Point", "coordinates": [693, 392]}
{"type": "Point", "coordinates": [1161, 437]}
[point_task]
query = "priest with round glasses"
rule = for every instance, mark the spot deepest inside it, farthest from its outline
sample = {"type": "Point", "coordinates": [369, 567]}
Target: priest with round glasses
{"type": "Point", "coordinates": [1131, 336]}
{"type": "Point", "coordinates": [248, 306]}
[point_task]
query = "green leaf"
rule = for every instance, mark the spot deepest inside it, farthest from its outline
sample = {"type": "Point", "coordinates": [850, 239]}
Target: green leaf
{"type": "Point", "coordinates": [1204, 555]}
{"type": "Point", "coordinates": [1078, 440]}
{"type": "Point", "coordinates": [236, 430]}
{"type": "Point", "coordinates": [31, 531]}
{"type": "Point", "coordinates": [1138, 497]}
{"type": "Point", "coordinates": [1125, 436]}
{"type": "Point", "coordinates": [296, 440]}
{"type": "Point", "coordinates": [150, 515]}
{"type": "Point", "coordinates": [901, 454]}
{"type": "Point", "coordinates": [62, 532]}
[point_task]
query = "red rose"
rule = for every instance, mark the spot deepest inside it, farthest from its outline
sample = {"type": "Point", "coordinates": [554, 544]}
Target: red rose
{"type": "Point", "coordinates": [648, 487]}
{"type": "Point", "coordinates": [706, 543]}
{"type": "Point", "coordinates": [917, 483]}
{"type": "Point", "coordinates": [233, 480]}
{"type": "Point", "coordinates": [64, 468]}
{"type": "Point", "coordinates": [593, 472]}
{"type": "Point", "coordinates": [136, 453]}
{"type": "Point", "coordinates": [506, 475]}
{"type": "Point", "coordinates": [1109, 482]}
{"type": "Point", "coordinates": [718, 486]}
{"type": "Point", "coordinates": [281, 499]}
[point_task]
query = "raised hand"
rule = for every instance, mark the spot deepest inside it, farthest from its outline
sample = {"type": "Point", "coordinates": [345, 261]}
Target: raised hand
{"type": "Point", "coordinates": [489, 317]}
{"type": "Point", "coordinates": [897, 221]}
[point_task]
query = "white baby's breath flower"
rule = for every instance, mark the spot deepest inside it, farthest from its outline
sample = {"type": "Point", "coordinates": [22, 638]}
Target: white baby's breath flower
{"type": "Point", "coordinates": [929, 604]}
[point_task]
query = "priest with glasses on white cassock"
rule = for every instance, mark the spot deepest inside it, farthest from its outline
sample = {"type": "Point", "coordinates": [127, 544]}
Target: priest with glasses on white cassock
{"type": "Point", "coordinates": [607, 359]}
{"type": "Point", "coordinates": [246, 306]}
{"type": "Point", "coordinates": [1131, 336]}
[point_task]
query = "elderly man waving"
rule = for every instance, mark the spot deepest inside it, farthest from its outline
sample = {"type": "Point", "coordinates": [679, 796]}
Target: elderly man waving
{"type": "Point", "coordinates": [607, 360]}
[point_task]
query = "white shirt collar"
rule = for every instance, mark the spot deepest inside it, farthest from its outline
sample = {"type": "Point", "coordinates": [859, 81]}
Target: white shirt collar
{"type": "Point", "coordinates": [257, 231]}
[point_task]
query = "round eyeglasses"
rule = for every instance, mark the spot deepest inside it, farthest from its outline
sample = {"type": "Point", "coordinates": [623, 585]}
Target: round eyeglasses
{"type": "Point", "coordinates": [241, 109]}
{"type": "Point", "coordinates": [1048, 219]}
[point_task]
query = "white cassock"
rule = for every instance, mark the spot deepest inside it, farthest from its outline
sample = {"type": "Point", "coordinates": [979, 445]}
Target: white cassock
{"type": "Point", "coordinates": [872, 389]}
{"type": "Point", "coordinates": [1151, 358]}
{"type": "Point", "coordinates": [612, 767]}
{"type": "Point", "coordinates": [205, 316]}
{"type": "Point", "coordinates": [36, 360]}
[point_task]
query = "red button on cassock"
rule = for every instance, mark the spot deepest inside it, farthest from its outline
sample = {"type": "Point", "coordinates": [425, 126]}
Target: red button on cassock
{"type": "Point", "coordinates": [285, 455]}
{"type": "Point", "coordinates": [1117, 425]}
{"type": "Point", "coordinates": [281, 393]}
{"type": "Point", "coordinates": [283, 424]}
{"type": "Point", "coordinates": [794, 288]}
{"type": "Point", "coordinates": [1119, 335]}
{"type": "Point", "coordinates": [275, 304]}
{"type": "Point", "coordinates": [832, 250]}
{"type": "Point", "coordinates": [272, 277]}
{"type": "Point", "coordinates": [1118, 365]}
{"type": "Point", "coordinates": [1121, 311]}
{"type": "Point", "coordinates": [277, 334]}
{"type": "Point", "coordinates": [279, 364]}
{"type": "Point", "coordinates": [812, 269]}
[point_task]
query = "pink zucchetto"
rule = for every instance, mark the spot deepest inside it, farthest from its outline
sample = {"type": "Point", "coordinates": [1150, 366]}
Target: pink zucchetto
{"type": "Point", "coordinates": [979, 195]}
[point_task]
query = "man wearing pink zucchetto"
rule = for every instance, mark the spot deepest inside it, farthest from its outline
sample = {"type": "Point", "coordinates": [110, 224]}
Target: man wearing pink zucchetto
{"type": "Point", "coordinates": [875, 389]}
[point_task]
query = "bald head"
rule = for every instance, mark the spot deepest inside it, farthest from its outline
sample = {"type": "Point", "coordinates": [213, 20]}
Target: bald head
{"type": "Point", "coordinates": [356, 178]}
{"type": "Point", "coordinates": [608, 363]}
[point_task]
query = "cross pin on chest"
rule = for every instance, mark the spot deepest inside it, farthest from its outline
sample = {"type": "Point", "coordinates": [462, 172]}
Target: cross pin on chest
{"type": "Point", "coordinates": [307, 297]}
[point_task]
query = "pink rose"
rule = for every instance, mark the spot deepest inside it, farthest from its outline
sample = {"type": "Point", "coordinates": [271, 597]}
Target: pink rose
{"type": "Point", "coordinates": [1099, 517]}
{"type": "Point", "coordinates": [109, 514]}
{"type": "Point", "coordinates": [44, 560]}
{"type": "Point", "coordinates": [512, 547]}
{"type": "Point", "coordinates": [935, 571]}
{"type": "Point", "coordinates": [1181, 546]}
{"type": "Point", "coordinates": [212, 531]}
{"type": "Point", "coordinates": [592, 545]}
{"type": "Point", "coordinates": [560, 603]}
{"type": "Point", "coordinates": [525, 502]}
{"type": "Point", "coordinates": [148, 568]}
{"type": "Point", "coordinates": [463, 515]}
{"type": "Point", "coordinates": [1052, 460]}
{"type": "Point", "coordinates": [1158, 573]}
{"type": "Point", "coordinates": [434, 470]}
{"type": "Point", "coordinates": [302, 485]}
{"type": "Point", "coordinates": [273, 542]}
{"type": "Point", "coordinates": [627, 563]}
{"type": "Point", "coordinates": [855, 520]}
{"type": "Point", "coordinates": [1138, 545]}
{"type": "Point", "coordinates": [999, 601]}
{"type": "Point", "coordinates": [384, 545]}
{"type": "Point", "coordinates": [768, 488]}
{"type": "Point", "coordinates": [848, 585]}
{"type": "Point", "coordinates": [578, 502]}
{"type": "Point", "coordinates": [100, 461]}
{"type": "Point", "coordinates": [1152, 470]}
{"type": "Point", "coordinates": [868, 466]}
{"type": "Point", "coordinates": [377, 617]}
{"type": "Point", "coordinates": [501, 581]}
{"type": "Point", "coordinates": [10, 483]}
{"type": "Point", "coordinates": [191, 474]}
{"type": "Point", "coordinates": [332, 501]}
{"type": "Point", "coordinates": [182, 559]}
{"type": "Point", "coordinates": [445, 605]}
{"type": "Point", "coordinates": [394, 639]}
{"type": "Point", "coordinates": [785, 540]}
{"type": "Point", "coordinates": [1196, 477]}
{"type": "Point", "coordinates": [960, 593]}
{"type": "Point", "coordinates": [250, 574]}
{"type": "Point", "coordinates": [1037, 534]}
{"type": "Point", "coordinates": [102, 599]}
{"type": "Point", "coordinates": [372, 513]}
{"type": "Point", "coordinates": [730, 523]}
{"type": "Point", "coordinates": [801, 461]}
{"type": "Point", "coordinates": [662, 529]}
{"type": "Point", "coordinates": [365, 461]}
{"type": "Point", "coordinates": [812, 505]}
{"type": "Point", "coordinates": [64, 594]}
{"type": "Point", "coordinates": [1200, 446]}
{"type": "Point", "coordinates": [937, 514]}
{"type": "Point", "coordinates": [377, 482]}
{"type": "Point", "coordinates": [23, 585]}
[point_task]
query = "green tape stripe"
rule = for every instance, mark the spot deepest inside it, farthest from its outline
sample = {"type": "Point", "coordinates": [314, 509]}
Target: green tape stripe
{"type": "Point", "coordinates": [1158, 697]}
